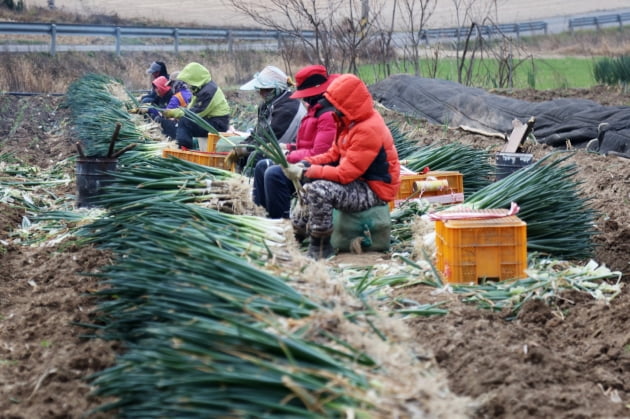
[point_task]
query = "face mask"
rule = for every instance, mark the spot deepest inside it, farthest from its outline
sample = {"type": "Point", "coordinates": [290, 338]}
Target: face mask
{"type": "Point", "coordinates": [267, 94]}
{"type": "Point", "coordinates": [311, 101]}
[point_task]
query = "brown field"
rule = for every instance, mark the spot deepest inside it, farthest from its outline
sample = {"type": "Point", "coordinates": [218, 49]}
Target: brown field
{"type": "Point", "coordinates": [566, 359]}
{"type": "Point", "coordinates": [215, 13]}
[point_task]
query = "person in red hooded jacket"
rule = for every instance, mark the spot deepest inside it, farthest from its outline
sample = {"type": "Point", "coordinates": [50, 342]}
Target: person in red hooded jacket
{"type": "Point", "coordinates": [272, 189]}
{"type": "Point", "coordinates": [361, 169]}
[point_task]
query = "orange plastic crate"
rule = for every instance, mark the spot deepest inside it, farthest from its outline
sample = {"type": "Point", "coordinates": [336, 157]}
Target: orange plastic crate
{"type": "Point", "coordinates": [455, 186]}
{"type": "Point", "coordinates": [205, 159]}
{"type": "Point", "coordinates": [471, 250]}
{"type": "Point", "coordinates": [455, 183]}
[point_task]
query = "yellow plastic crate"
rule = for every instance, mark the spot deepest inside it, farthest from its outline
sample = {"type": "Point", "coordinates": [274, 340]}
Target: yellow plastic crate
{"type": "Point", "coordinates": [474, 250]}
{"type": "Point", "coordinates": [205, 159]}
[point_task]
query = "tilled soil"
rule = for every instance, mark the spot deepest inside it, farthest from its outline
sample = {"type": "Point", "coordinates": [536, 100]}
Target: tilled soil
{"type": "Point", "coordinates": [568, 360]}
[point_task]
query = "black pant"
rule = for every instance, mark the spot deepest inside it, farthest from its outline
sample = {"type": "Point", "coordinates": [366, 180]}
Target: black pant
{"type": "Point", "coordinates": [169, 127]}
{"type": "Point", "coordinates": [187, 129]}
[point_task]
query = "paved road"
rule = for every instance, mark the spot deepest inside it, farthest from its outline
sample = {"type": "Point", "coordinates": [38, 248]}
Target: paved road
{"type": "Point", "coordinates": [555, 25]}
{"type": "Point", "coordinates": [561, 23]}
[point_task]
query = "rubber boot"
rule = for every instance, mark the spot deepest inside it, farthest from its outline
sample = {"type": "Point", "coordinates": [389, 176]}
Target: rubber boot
{"type": "Point", "coordinates": [300, 234]}
{"type": "Point", "coordinates": [320, 247]}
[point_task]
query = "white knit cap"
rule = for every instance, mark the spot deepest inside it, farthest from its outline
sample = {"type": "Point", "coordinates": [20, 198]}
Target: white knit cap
{"type": "Point", "coordinates": [269, 78]}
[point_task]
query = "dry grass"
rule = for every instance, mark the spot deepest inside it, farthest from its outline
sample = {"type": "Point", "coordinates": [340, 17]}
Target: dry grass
{"type": "Point", "coordinates": [40, 72]}
{"type": "Point", "coordinates": [36, 72]}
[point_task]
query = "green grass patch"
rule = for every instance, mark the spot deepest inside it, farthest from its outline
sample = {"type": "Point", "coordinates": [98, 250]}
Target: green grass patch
{"type": "Point", "coordinates": [539, 73]}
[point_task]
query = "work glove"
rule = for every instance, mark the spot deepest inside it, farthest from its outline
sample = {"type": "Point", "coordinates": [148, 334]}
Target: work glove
{"type": "Point", "coordinates": [234, 155]}
{"type": "Point", "coordinates": [294, 172]}
{"type": "Point", "coordinates": [170, 113]}
{"type": "Point", "coordinates": [153, 113]}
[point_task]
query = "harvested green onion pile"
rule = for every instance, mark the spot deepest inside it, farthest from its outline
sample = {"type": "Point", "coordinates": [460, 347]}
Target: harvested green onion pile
{"type": "Point", "coordinates": [473, 164]}
{"type": "Point", "coordinates": [203, 327]}
{"type": "Point", "coordinates": [175, 180]}
{"type": "Point", "coordinates": [545, 281]}
{"type": "Point", "coordinates": [404, 146]}
{"type": "Point", "coordinates": [559, 222]}
{"type": "Point", "coordinates": [95, 111]}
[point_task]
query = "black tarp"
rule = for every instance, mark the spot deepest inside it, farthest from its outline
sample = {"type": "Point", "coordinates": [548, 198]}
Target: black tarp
{"type": "Point", "coordinates": [448, 103]}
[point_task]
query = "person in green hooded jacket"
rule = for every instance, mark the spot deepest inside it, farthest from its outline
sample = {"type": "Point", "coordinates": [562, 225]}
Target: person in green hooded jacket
{"type": "Point", "coordinates": [208, 102]}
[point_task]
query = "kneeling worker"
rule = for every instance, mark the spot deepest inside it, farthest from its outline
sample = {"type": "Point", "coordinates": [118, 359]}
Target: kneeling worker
{"type": "Point", "coordinates": [208, 102]}
{"type": "Point", "coordinates": [360, 171]}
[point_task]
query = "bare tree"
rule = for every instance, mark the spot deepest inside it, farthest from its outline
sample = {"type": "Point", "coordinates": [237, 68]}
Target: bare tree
{"type": "Point", "coordinates": [292, 18]}
{"type": "Point", "coordinates": [384, 42]}
{"type": "Point", "coordinates": [351, 32]}
{"type": "Point", "coordinates": [416, 14]}
{"type": "Point", "coordinates": [339, 28]}
{"type": "Point", "coordinates": [471, 43]}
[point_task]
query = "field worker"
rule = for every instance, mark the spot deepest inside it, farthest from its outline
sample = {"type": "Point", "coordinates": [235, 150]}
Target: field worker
{"type": "Point", "coordinates": [278, 114]}
{"type": "Point", "coordinates": [208, 102]}
{"type": "Point", "coordinates": [180, 96]}
{"type": "Point", "coordinates": [155, 70]}
{"type": "Point", "coordinates": [360, 171]}
{"type": "Point", "coordinates": [272, 189]}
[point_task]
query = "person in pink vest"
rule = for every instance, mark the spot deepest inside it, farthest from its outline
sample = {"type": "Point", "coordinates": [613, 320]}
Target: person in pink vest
{"type": "Point", "coordinates": [272, 189]}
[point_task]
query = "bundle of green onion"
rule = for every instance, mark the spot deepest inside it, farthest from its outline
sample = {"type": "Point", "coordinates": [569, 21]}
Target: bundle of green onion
{"type": "Point", "coordinates": [474, 164]}
{"type": "Point", "coordinates": [95, 113]}
{"type": "Point", "coordinates": [172, 179]}
{"type": "Point", "coordinates": [203, 327]}
{"type": "Point", "coordinates": [559, 222]}
{"type": "Point", "coordinates": [268, 145]}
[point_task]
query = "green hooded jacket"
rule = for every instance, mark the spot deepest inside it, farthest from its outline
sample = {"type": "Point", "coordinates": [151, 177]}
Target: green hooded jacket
{"type": "Point", "coordinates": [208, 100]}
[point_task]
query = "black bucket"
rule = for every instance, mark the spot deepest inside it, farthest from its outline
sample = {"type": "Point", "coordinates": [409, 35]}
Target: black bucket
{"type": "Point", "coordinates": [508, 163]}
{"type": "Point", "coordinates": [92, 175]}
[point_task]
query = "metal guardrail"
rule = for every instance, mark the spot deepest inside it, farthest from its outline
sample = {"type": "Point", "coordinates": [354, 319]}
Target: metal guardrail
{"type": "Point", "coordinates": [228, 36]}
{"type": "Point", "coordinates": [487, 30]}
{"type": "Point", "coordinates": [598, 21]}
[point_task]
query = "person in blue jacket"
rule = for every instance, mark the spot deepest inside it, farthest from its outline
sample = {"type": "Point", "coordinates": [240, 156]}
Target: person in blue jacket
{"type": "Point", "coordinates": [155, 70]}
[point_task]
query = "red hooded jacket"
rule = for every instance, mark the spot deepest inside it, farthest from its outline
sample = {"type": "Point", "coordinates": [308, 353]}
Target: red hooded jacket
{"type": "Point", "coordinates": [364, 148]}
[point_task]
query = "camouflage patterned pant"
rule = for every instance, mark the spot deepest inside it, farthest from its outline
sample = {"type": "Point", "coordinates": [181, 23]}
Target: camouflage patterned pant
{"type": "Point", "coordinates": [322, 196]}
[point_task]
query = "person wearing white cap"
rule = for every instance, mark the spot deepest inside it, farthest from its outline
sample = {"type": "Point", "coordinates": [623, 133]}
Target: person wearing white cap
{"type": "Point", "coordinates": [272, 189]}
{"type": "Point", "coordinates": [278, 115]}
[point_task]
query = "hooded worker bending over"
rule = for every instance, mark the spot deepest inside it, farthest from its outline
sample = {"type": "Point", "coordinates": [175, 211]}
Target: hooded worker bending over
{"type": "Point", "coordinates": [360, 171]}
{"type": "Point", "coordinates": [208, 102]}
